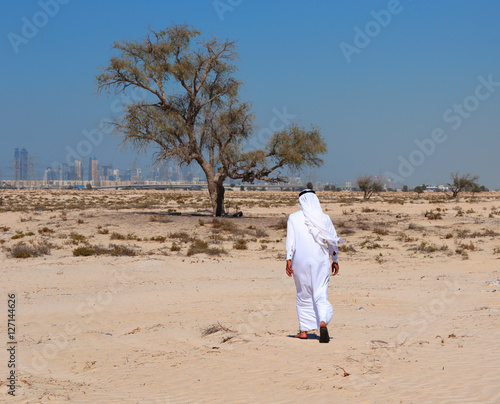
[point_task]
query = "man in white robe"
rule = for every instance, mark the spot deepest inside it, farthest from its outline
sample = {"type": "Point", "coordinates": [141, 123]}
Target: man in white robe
{"type": "Point", "coordinates": [310, 241]}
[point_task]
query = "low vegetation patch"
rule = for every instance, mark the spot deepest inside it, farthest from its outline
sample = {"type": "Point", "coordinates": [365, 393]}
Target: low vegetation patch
{"type": "Point", "coordinates": [113, 250]}
{"type": "Point", "coordinates": [199, 246]}
{"type": "Point", "coordinates": [23, 250]}
{"type": "Point", "coordinates": [240, 244]}
{"type": "Point", "coordinates": [45, 230]}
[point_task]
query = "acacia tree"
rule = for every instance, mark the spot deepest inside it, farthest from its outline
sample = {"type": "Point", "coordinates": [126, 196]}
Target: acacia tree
{"type": "Point", "coordinates": [192, 112]}
{"type": "Point", "coordinates": [368, 185]}
{"type": "Point", "coordinates": [460, 183]}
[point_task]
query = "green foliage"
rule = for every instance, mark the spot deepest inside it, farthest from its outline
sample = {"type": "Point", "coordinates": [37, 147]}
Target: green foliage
{"type": "Point", "coordinates": [368, 185]}
{"type": "Point", "coordinates": [191, 110]}
{"type": "Point", "coordinates": [420, 189]}
{"type": "Point", "coordinates": [466, 182]}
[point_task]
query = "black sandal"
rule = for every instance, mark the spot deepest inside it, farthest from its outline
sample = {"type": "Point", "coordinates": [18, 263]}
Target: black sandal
{"type": "Point", "coordinates": [323, 335]}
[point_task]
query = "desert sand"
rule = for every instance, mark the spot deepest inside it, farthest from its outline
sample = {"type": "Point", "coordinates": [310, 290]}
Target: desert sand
{"type": "Point", "coordinates": [416, 302]}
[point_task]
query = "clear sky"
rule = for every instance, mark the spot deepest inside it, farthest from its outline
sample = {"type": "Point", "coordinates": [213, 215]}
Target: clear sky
{"type": "Point", "coordinates": [409, 89]}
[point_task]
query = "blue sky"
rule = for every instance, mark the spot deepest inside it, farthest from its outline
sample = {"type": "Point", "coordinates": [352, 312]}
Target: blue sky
{"type": "Point", "coordinates": [377, 77]}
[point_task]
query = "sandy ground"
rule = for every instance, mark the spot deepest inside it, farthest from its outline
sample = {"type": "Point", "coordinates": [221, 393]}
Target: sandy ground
{"type": "Point", "coordinates": [413, 322]}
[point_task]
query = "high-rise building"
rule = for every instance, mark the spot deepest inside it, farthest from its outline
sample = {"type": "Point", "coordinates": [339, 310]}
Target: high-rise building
{"type": "Point", "coordinates": [21, 164]}
{"type": "Point", "coordinates": [107, 171]}
{"type": "Point", "coordinates": [95, 171]}
{"type": "Point", "coordinates": [23, 154]}
{"type": "Point", "coordinates": [89, 170]}
{"type": "Point", "coordinates": [17, 165]}
{"type": "Point", "coordinates": [78, 170]}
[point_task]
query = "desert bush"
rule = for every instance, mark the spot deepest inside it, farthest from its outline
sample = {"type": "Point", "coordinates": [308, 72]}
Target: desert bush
{"type": "Point", "coordinates": [448, 236]}
{"type": "Point", "coordinates": [100, 230]}
{"type": "Point", "coordinates": [496, 250]}
{"type": "Point", "coordinates": [113, 250]}
{"type": "Point", "coordinates": [22, 250]}
{"type": "Point", "coordinates": [119, 236]}
{"type": "Point", "coordinates": [45, 230]}
{"type": "Point", "coordinates": [197, 246]}
{"type": "Point", "coordinates": [414, 226]}
{"type": "Point", "coordinates": [471, 246]}
{"type": "Point", "coordinates": [4, 228]}
{"type": "Point", "coordinates": [80, 221]}
{"type": "Point", "coordinates": [182, 235]}
{"type": "Point", "coordinates": [224, 224]}
{"type": "Point", "coordinates": [381, 231]}
{"type": "Point", "coordinates": [429, 247]}
{"type": "Point", "coordinates": [405, 238]}
{"type": "Point", "coordinates": [175, 247]}
{"type": "Point", "coordinates": [240, 244]}
{"type": "Point", "coordinates": [433, 215]}
{"type": "Point", "coordinates": [19, 234]}
{"type": "Point", "coordinates": [77, 238]}
{"type": "Point", "coordinates": [160, 239]}
{"type": "Point", "coordinates": [345, 248]}
{"type": "Point", "coordinates": [368, 210]}
{"type": "Point", "coordinates": [369, 245]}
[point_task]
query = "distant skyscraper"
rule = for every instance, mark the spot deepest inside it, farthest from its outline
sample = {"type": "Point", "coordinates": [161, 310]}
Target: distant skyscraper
{"type": "Point", "coordinates": [21, 164]}
{"type": "Point", "coordinates": [17, 165]}
{"type": "Point", "coordinates": [24, 164]}
{"type": "Point", "coordinates": [95, 171]}
{"type": "Point", "coordinates": [89, 170]}
{"type": "Point", "coordinates": [78, 170]}
{"type": "Point", "coordinates": [107, 171]}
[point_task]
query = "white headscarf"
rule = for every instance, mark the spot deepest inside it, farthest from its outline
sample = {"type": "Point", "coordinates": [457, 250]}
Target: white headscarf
{"type": "Point", "coordinates": [320, 226]}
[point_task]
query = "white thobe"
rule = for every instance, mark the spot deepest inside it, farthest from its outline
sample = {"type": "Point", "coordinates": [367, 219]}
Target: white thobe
{"type": "Point", "coordinates": [311, 272]}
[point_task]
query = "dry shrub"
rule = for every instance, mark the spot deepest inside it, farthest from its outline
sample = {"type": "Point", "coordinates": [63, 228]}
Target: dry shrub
{"type": "Point", "coordinates": [381, 231]}
{"type": "Point", "coordinates": [199, 246]}
{"type": "Point", "coordinates": [113, 250]}
{"type": "Point", "coordinates": [22, 250]}
{"type": "Point", "coordinates": [160, 239]}
{"type": "Point", "coordinates": [224, 224]}
{"type": "Point", "coordinates": [45, 230]}
{"type": "Point", "coordinates": [240, 244]}
{"type": "Point", "coordinates": [426, 247]}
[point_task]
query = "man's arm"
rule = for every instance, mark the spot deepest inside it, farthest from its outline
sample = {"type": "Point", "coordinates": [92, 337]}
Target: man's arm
{"type": "Point", "coordinates": [290, 246]}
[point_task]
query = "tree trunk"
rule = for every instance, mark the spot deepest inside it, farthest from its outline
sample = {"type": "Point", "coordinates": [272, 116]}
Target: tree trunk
{"type": "Point", "coordinates": [219, 209]}
{"type": "Point", "coordinates": [216, 191]}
